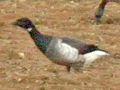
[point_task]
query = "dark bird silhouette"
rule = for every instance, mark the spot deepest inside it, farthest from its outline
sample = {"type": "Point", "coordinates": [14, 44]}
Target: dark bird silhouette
{"type": "Point", "coordinates": [101, 8]}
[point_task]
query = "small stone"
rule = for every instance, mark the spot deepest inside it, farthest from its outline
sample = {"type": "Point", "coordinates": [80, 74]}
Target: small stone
{"type": "Point", "coordinates": [27, 87]}
{"type": "Point", "coordinates": [21, 55]}
{"type": "Point", "coordinates": [19, 79]}
{"type": "Point", "coordinates": [37, 81]}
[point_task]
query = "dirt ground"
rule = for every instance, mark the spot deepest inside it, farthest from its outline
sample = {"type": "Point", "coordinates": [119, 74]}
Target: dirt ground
{"type": "Point", "coordinates": [33, 71]}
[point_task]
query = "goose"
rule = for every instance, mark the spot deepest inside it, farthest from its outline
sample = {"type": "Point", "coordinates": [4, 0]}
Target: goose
{"type": "Point", "coordinates": [62, 50]}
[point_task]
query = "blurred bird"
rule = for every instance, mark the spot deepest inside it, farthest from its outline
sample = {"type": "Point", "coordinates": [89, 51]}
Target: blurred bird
{"type": "Point", "coordinates": [62, 50]}
{"type": "Point", "coordinates": [100, 10]}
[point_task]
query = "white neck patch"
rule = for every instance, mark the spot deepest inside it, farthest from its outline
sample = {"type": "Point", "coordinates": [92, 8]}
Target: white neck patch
{"type": "Point", "coordinates": [29, 29]}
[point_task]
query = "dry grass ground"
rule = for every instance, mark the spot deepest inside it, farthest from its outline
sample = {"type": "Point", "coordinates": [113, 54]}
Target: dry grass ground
{"type": "Point", "coordinates": [58, 17]}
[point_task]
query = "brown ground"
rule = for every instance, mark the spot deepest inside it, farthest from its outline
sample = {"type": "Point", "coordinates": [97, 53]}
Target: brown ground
{"type": "Point", "coordinates": [57, 17]}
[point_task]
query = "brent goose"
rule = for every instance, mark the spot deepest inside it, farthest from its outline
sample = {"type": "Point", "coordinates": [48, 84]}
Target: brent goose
{"type": "Point", "coordinates": [63, 50]}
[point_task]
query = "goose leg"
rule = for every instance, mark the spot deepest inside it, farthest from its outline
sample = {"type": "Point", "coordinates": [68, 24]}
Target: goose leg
{"type": "Point", "coordinates": [100, 11]}
{"type": "Point", "coordinates": [69, 69]}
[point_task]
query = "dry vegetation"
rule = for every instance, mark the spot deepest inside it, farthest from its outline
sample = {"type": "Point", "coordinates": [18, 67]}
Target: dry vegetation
{"type": "Point", "coordinates": [57, 17]}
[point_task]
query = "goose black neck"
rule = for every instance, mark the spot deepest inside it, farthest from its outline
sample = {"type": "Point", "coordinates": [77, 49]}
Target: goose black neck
{"type": "Point", "coordinates": [34, 33]}
{"type": "Point", "coordinates": [40, 40]}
